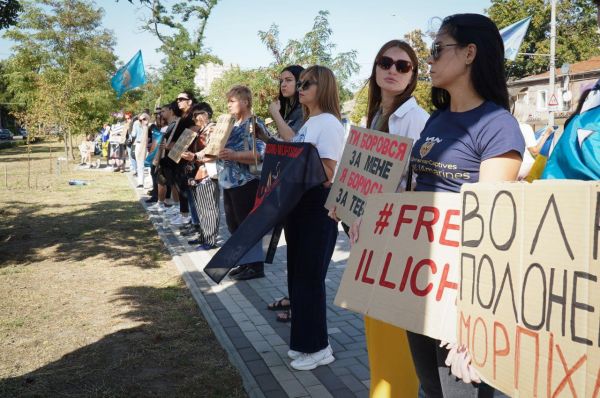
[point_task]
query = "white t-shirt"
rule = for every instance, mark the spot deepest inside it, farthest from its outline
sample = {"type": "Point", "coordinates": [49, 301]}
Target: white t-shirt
{"type": "Point", "coordinates": [326, 132]}
{"type": "Point", "coordinates": [530, 141]}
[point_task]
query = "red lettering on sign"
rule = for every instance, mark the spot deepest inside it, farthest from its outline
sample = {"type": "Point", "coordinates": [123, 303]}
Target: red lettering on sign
{"type": "Point", "coordinates": [344, 174]}
{"type": "Point", "coordinates": [568, 372]}
{"type": "Point", "coordinates": [448, 226]}
{"type": "Point", "coordinates": [467, 324]}
{"type": "Point", "coordinates": [479, 321]}
{"type": "Point", "coordinates": [444, 283]}
{"type": "Point", "coordinates": [402, 219]}
{"type": "Point", "coordinates": [523, 331]}
{"type": "Point", "coordinates": [428, 224]}
{"type": "Point", "coordinates": [354, 137]}
{"type": "Point", "coordinates": [413, 279]}
{"type": "Point", "coordinates": [382, 281]}
{"type": "Point", "coordinates": [406, 273]}
{"type": "Point", "coordinates": [500, 352]}
{"type": "Point", "coordinates": [365, 277]}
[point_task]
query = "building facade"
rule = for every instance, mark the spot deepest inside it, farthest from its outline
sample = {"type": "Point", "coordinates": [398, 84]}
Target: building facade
{"type": "Point", "coordinates": [533, 97]}
{"type": "Point", "coordinates": [207, 73]}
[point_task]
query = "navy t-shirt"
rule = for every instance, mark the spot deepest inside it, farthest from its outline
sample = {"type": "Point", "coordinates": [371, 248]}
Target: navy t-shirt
{"type": "Point", "coordinates": [453, 145]}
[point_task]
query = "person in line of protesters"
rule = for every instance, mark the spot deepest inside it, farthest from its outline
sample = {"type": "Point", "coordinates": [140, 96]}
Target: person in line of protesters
{"type": "Point", "coordinates": [391, 109]}
{"type": "Point", "coordinates": [133, 127]}
{"type": "Point", "coordinates": [175, 172]}
{"type": "Point", "coordinates": [117, 148]}
{"type": "Point", "coordinates": [288, 116]}
{"type": "Point", "coordinates": [105, 141]}
{"type": "Point", "coordinates": [472, 133]}
{"type": "Point", "coordinates": [156, 132]}
{"type": "Point", "coordinates": [141, 146]}
{"type": "Point", "coordinates": [170, 115]}
{"type": "Point", "coordinates": [190, 168]}
{"type": "Point", "coordinates": [205, 189]}
{"type": "Point", "coordinates": [310, 234]}
{"type": "Point", "coordinates": [86, 150]}
{"type": "Point", "coordinates": [238, 183]}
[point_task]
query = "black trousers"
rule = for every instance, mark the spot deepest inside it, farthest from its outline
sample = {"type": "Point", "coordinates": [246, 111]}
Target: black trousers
{"type": "Point", "coordinates": [435, 377]}
{"type": "Point", "coordinates": [310, 236]}
{"type": "Point", "coordinates": [238, 202]}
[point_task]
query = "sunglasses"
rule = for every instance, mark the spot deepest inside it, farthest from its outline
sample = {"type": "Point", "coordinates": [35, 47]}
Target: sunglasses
{"type": "Point", "coordinates": [196, 114]}
{"type": "Point", "coordinates": [436, 49]}
{"type": "Point", "coordinates": [402, 66]}
{"type": "Point", "coordinates": [182, 99]}
{"type": "Point", "coordinates": [143, 119]}
{"type": "Point", "coordinates": [304, 84]}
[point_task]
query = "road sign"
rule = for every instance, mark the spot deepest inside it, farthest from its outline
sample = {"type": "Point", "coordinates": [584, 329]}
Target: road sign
{"type": "Point", "coordinates": [553, 101]}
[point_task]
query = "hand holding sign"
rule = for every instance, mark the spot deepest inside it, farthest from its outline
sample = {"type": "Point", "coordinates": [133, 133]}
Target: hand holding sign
{"type": "Point", "coordinates": [372, 162]}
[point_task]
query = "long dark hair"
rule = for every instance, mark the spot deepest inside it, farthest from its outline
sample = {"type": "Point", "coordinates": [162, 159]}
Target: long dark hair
{"type": "Point", "coordinates": [580, 103]}
{"type": "Point", "coordinates": [375, 90]}
{"type": "Point", "coordinates": [288, 105]}
{"type": "Point", "coordinates": [487, 69]}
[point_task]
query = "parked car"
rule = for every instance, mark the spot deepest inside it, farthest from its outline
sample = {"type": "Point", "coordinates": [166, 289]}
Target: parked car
{"type": "Point", "coordinates": [22, 132]}
{"type": "Point", "coordinates": [5, 134]}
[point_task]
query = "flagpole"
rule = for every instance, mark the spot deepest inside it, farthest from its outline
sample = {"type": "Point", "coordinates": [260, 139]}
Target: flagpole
{"type": "Point", "coordinates": [552, 55]}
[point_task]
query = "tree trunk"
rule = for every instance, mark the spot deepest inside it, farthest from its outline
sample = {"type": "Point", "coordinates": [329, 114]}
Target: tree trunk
{"type": "Point", "coordinates": [71, 145]}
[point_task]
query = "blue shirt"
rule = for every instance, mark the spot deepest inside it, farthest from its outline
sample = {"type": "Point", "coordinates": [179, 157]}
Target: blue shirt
{"type": "Point", "coordinates": [453, 145]}
{"type": "Point", "coordinates": [234, 174]}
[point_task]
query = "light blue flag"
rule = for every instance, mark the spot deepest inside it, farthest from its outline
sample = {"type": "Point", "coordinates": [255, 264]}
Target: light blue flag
{"type": "Point", "coordinates": [130, 76]}
{"type": "Point", "coordinates": [513, 36]}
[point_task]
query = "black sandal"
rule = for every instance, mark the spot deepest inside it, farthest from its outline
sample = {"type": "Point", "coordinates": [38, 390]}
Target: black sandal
{"type": "Point", "coordinates": [278, 305]}
{"type": "Point", "coordinates": [284, 316]}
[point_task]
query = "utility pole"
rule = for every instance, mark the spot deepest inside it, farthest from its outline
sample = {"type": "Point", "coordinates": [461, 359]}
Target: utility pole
{"type": "Point", "coordinates": [552, 56]}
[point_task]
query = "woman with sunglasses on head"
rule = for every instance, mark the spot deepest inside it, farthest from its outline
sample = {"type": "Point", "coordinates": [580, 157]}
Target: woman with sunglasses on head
{"type": "Point", "coordinates": [310, 234]}
{"type": "Point", "coordinates": [392, 109]}
{"type": "Point", "coordinates": [471, 137]}
{"type": "Point", "coordinates": [238, 183]}
{"type": "Point", "coordinates": [289, 118]}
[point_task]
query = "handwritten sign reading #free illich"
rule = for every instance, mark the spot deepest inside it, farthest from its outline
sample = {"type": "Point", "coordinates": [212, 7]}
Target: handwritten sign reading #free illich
{"type": "Point", "coordinates": [372, 162]}
{"type": "Point", "coordinates": [529, 299]}
{"type": "Point", "coordinates": [404, 269]}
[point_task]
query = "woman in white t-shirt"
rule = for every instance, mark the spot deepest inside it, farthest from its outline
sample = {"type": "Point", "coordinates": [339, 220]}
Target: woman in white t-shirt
{"type": "Point", "coordinates": [310, 234]}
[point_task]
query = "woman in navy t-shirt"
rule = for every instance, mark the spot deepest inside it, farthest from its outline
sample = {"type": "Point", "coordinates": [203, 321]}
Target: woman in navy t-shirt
{"type": "Point", "coordinates": [471, 137]}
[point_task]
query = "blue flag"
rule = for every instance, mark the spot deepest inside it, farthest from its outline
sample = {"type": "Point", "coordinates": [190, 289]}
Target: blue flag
{"type": "Point", "coordinates": [131, 75]}
{"type": "Point", "coordinates": [513, 36]}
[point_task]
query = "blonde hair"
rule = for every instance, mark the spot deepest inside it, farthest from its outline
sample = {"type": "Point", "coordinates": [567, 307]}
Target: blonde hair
{"type": "Point", "coordinates": [241, 93]}
{"type": "Point", "coordinates": [328, 98]}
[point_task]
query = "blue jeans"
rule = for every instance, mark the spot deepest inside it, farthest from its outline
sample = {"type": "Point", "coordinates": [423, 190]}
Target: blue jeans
{"type": "Point", "coordinates": [132, 162]}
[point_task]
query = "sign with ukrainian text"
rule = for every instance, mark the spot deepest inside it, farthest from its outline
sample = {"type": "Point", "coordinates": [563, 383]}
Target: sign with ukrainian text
{"type": "Point", "coordinates": [372, 162]}
{"type": "Point", "coordinates": [404, 268]}
{"type": "Point", "coordinates": [529, 299]}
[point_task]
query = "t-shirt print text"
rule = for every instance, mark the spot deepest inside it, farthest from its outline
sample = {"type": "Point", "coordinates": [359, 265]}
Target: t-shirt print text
{"type": "Point", "coordinates": [440, 169]}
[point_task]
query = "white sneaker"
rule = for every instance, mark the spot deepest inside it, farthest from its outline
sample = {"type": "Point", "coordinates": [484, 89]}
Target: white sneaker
{"type": "Point", "coordinates": [311, 361]}
{"type": "Point", "coordinates": [294, 354]}
{"type": "Point", "coordinates": [172, 211]}
{"type": "Point", "coordinates": [180, 220]}
{"type": "Point", "coordinates": [158, 206]}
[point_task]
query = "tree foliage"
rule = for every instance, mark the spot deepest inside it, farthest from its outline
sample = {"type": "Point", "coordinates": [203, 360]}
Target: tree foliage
{"type": "Point", "coordinates": [9, 13]}
{"type": "Point", "coordinates": [183, 49]}
{"type": "Point", "coordinates": [262, 82]}
{"type": "Point", "coordinates": [576, 33]}
{"type": "Point", "coordinates": [58, 75]}
{"type": "Point", "coordinates": [315, 48]}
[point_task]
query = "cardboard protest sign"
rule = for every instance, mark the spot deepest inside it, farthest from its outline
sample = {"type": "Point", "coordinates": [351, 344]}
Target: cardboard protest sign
{"type": "Point", "coordinates": [404, 268]}
{"type": "Point", "coordinates": [372, 162]}
{"type": "Point", "coordinates": [529, 299]}
{"type": "Point", "coordinates": [219, 136]}
{"type": "Point", "coordinates": [289, 170]}
{"type": "Point", "coordinates": [185, 140]}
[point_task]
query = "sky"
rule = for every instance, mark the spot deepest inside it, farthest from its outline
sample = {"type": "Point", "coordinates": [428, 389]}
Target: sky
{"type": "Point", "coordinates": [231, 33]}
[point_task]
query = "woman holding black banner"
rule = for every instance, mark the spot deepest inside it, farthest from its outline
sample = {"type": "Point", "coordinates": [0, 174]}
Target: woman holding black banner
{"type": "Point", "coordinates": [310, 234]}
{"type": "Point", "coordinates": [392, 109]}
{"type": "Point", "coordinates": [289, 118]}
{"type": "Point", "coordinates": [471, 137]}
{"type": "Point", "coordinates": [239, 184]}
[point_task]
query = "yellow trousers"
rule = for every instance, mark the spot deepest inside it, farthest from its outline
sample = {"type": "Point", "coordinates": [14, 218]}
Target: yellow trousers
{"type": "Point", "coordinates": [392, 370]}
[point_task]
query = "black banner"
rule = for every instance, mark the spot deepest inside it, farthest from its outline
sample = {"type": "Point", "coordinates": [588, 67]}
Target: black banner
{"type": "Point", "coordinates": [289, 170]}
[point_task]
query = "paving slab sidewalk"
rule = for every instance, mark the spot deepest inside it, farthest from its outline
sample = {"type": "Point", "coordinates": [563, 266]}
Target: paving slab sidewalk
{"type": "Point", "coordinates": [256, 343]}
